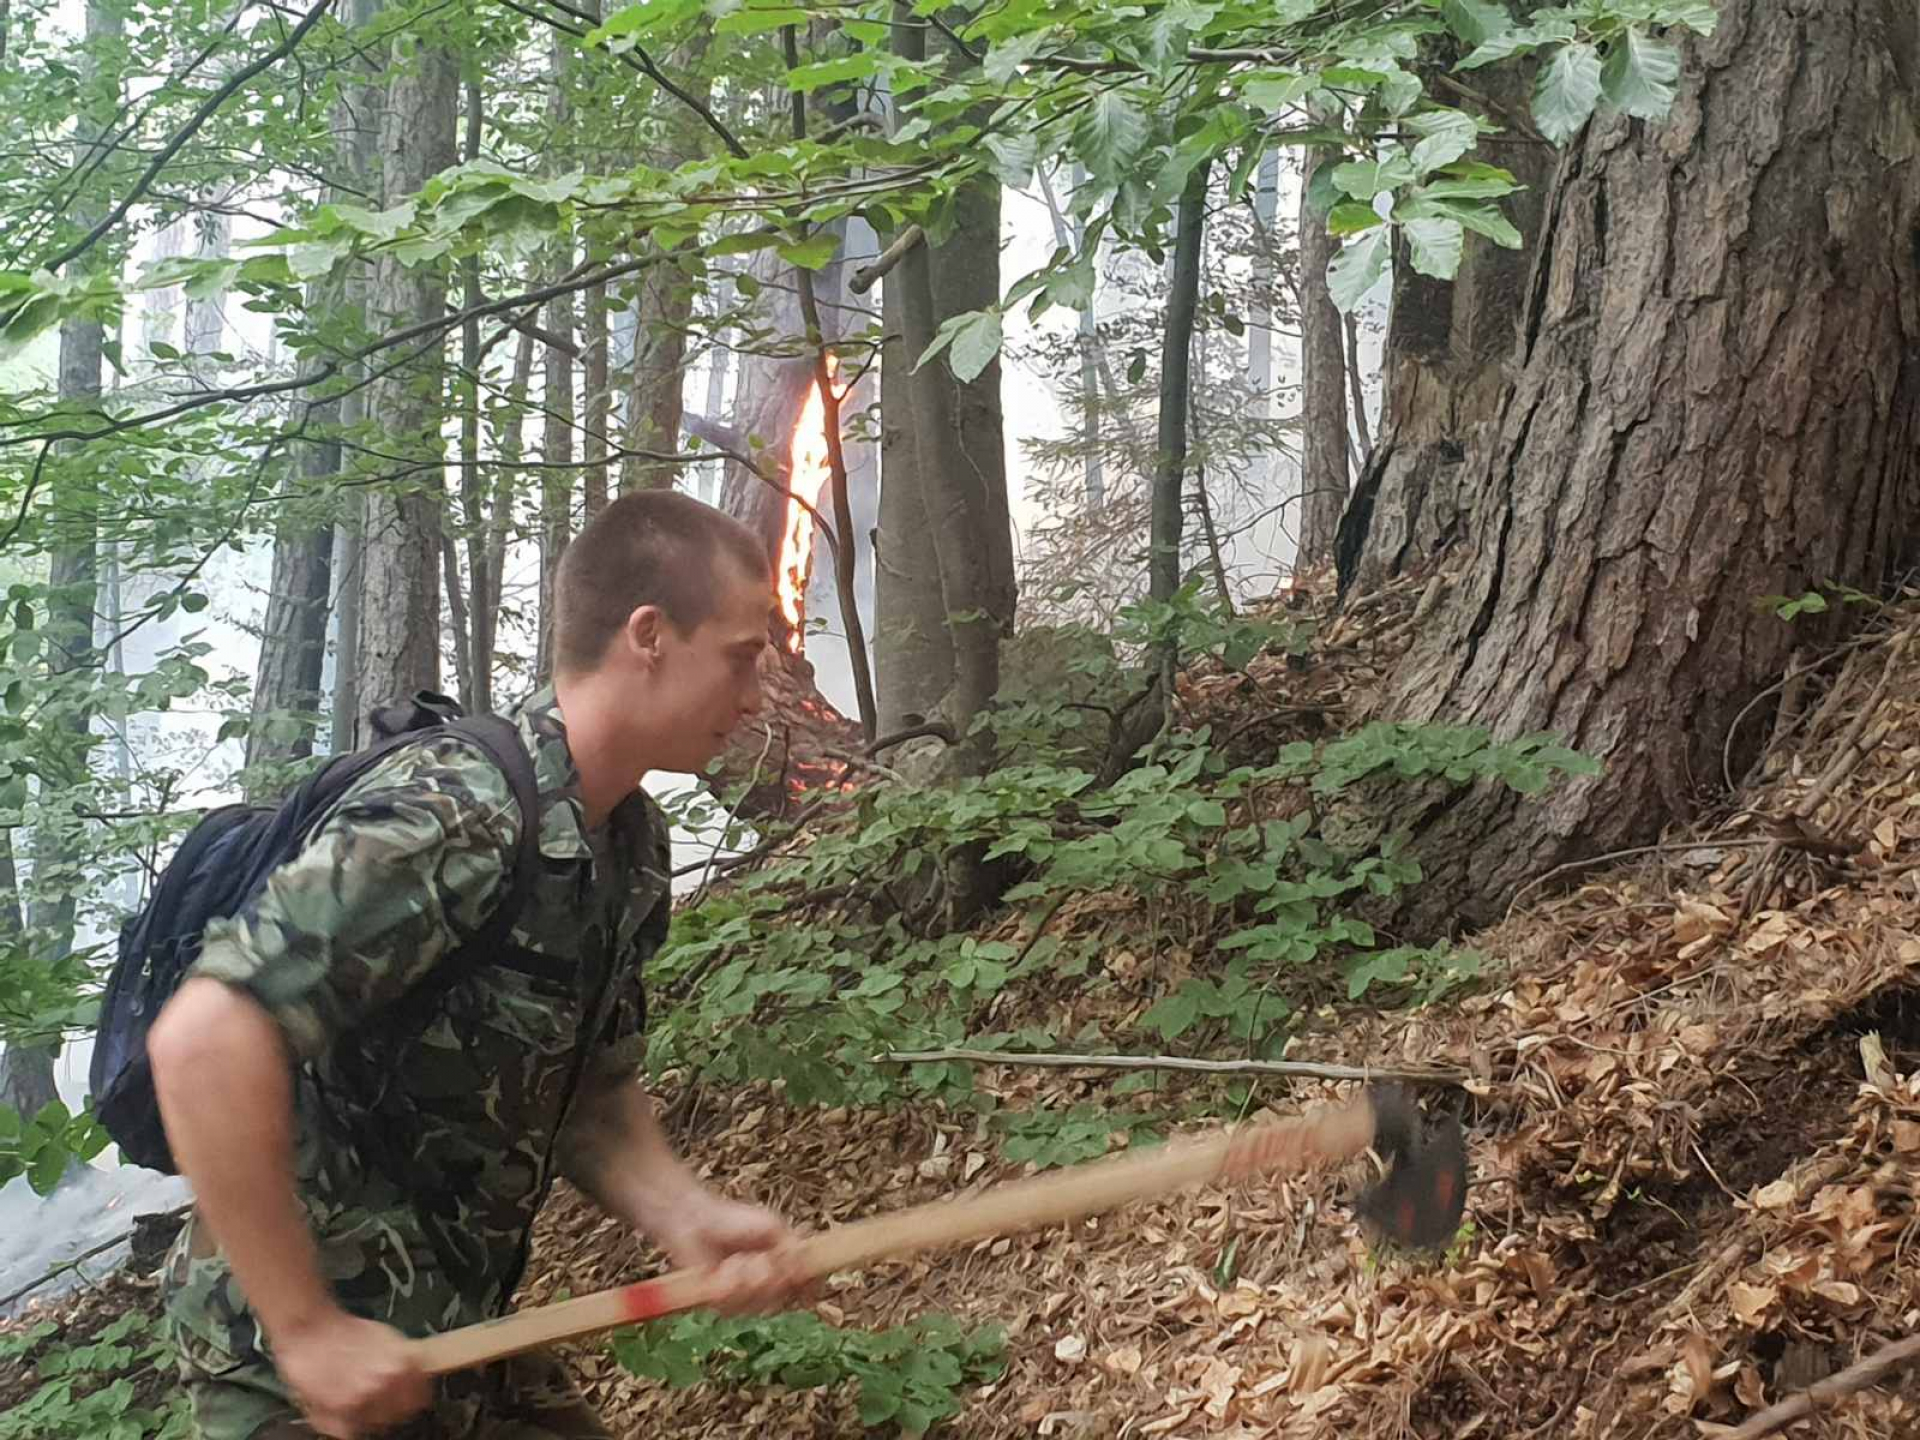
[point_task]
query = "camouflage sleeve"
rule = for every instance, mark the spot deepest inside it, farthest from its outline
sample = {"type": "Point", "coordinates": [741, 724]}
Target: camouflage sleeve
{"type": "Point", "coordinates": [412, 858]}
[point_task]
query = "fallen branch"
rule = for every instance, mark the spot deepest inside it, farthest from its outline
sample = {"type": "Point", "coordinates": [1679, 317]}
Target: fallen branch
{"type": "Point", "coordinates": [1855, 1377]}
{"type": "Point", "coordinates": [1305, 1069]}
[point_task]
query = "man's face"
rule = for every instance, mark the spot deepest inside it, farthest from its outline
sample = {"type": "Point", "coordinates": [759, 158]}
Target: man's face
{"type": "Point", "coordinates": [707, 681]}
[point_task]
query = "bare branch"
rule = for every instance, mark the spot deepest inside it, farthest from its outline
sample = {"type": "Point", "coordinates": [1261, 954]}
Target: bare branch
{"type": "Point", "coordinates": [869, 275]}
{"type": "Point", "coordinates": [1304, 1069]}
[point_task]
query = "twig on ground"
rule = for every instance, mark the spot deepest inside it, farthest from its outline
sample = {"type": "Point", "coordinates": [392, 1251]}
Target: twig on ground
{"type": "Point", "coordinates": [1836, 1387]}
{"type": "Point", "coordinates": [1305, 1069]}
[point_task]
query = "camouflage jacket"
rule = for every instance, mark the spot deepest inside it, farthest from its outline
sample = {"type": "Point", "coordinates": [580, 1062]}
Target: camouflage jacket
{"type": "Point", "coordinates": [425, 1144]}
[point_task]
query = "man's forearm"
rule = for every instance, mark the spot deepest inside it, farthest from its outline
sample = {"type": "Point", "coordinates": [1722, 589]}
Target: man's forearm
{"type": "Point", "coordinates": [221, 1072]}
{"type": "Point", "coordinates": [615, 1151]}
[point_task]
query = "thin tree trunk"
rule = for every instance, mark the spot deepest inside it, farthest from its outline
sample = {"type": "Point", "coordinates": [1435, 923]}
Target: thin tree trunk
{"type": "Point", "coordinates": [400, 580]}
{"type": "Point", "coordinates": [73, 598]}
{"type": "Point", "coordinates": [847, 549]}
{"type": "Point", "coordinates": [1362, 429]}
{"type": "Point", "coordinates": [512, 447]}
{"type": "Point", "coordinates": [1261, 319]}
{"type": "Point", "coordinates": [556, 506]}
{"type": "Point", "coordinates": [1170, 464]}
{"type": "Point", "coordinates": [474, 637]}
{"type": "Point", "coordinates": [1323, 418]}
{"type": "Point", "coordinates": [1728, 411]}
{"type": "Point", "coordinates": [599, 403]}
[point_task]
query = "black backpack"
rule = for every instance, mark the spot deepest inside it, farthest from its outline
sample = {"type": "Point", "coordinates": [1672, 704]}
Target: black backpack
{"type": "Point", "coordinates": [224, 861]}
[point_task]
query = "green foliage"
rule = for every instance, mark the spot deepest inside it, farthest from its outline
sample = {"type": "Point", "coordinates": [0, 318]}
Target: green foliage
{"type": "Point", "coordinates": [1067, 1137]}
{"type": "Point", "coordinates": [1813, 602]}
{"type": "Point", "coordinates": [41, 1148]}
{"type": "Point", "coordinates": [910, 1376]}
{"type": "Point", "coordinates": [821, 961]}
{"type": "Point", "coordinates": [91, 1391]}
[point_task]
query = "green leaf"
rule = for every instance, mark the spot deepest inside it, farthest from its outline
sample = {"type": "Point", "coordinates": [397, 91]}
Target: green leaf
{"type": "Point", "coordinates": [1568, 89]}
{"type": "Point", "coordinates": [47, 1168]}
{"type": "Point", "coordinates": [1436, 246]}
{"type": "Point", "coordinates": [1277, 91]}
{"type": "Point", "coordinates": [974, 339]}
{"type": "Point", "coordinates": [1357, 269]}
{"type": "Point", "coordinates": [861, 65]}
{"type": "Point", "coordinates": [1004, 60]}
{"type": "Point", "coordinates": [1210, 813]}
{"type": "Point", "coordinates": [1641, 75]}
{"type": "Point", "coordinates": [1475, 21]}
{"type": "Point", "coordinates": [1449, 134]}
{"type": "Point", "coordinates": [816, 252]}
{"type": "Point", "coordinates": [749, 21]}
{"type": "Point", "coordinates": [311, 259]}
{"type": "Point", "coordinates": [1523, 40]}
{"type": "Point", "coordinates": [1469, 180]}
{"type": "Point", "coordinates": [1112, 134]}
{"type": "Point", "coordinates": [1014, 157]}
{"type": "Point", "coordinates": [1364, 179]}
{"type": "Point", "coordinates": [1173, 1016]}
{"type": "Point", "coordinates": [1352, 217]}
{"type": "Point", "coordinates": [1482, 219]}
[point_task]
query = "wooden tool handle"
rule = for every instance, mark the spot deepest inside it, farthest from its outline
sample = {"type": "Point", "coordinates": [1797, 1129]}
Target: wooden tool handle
{"type": "Point", "coordinates": [1328, 1135]}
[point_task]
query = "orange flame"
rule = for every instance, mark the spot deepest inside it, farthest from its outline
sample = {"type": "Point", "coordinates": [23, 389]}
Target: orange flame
{"type": "Point", "coordinates": [808, 471]}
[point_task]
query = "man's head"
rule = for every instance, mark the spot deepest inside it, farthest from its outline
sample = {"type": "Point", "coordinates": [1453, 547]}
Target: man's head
{"type": "Point", "coordinates": [662, 614]}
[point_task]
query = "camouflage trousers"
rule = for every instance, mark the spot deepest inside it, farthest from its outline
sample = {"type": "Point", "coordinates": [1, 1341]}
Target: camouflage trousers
{"type": "Point", "coordinates": [236, 1394]}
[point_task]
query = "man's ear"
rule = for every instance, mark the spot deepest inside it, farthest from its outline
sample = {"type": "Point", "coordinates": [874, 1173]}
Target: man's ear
{"type": "Point", "coordinates": [642, 633]}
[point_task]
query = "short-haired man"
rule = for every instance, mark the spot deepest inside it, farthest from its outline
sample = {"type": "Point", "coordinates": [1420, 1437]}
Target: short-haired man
{"type": "Point", "coordinates": [363, 1173]}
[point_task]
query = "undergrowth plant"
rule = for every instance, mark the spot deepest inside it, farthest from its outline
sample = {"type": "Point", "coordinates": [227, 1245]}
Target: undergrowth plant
{"type": "Point", "coordinates": [816, 962]}
{"type": "Point", "coordinates": [92, 1391]}
{"type": "Point", "coordinates": [910, 1376]}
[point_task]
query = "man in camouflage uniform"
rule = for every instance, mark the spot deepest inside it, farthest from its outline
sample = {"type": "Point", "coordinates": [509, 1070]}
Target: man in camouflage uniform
{"type": "Point", "coordinates": [369, 1152]}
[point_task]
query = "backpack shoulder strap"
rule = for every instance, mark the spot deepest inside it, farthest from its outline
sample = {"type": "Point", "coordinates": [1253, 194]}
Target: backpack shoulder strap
{"type": "Point", "coordinates": [500, 739]}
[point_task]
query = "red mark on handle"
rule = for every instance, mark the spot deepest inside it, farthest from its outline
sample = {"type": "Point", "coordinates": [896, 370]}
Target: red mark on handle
{"type": "Point", "coordinates": [644, 1301]}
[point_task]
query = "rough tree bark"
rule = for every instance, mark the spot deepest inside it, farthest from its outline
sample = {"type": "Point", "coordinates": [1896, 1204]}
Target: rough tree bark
{"type": "Point", "coordinates": [1447, 344]}
{"type": "Point", "coordinates": [293, 634]}
{"type": "Point", "coordinates": [1715, 401]}
{"type": "Point", "coordinates": [913, 649]}
{"type": "Point", "coordinates": [399, 650]}
{"type": "Point", "coordinates": [945, 459]}
{"type": "Point", "coordinates": [1323, 388]}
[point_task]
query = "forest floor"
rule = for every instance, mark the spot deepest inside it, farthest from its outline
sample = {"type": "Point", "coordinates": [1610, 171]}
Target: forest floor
{"type": "Point", "coordinates": [1694, 1117]}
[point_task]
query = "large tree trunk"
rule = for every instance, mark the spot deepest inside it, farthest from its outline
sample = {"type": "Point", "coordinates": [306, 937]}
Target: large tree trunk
{"type": "Point", "coordinates": [1715, 402]}
{"type": "Point", "coordinates": [915, 642]}
{"type": "Point", "coordinates": [654, 400]}
{"type": "Point", "coordinates": [1447, 344]}
{"type": "Point", "coordinates": [913, 649]}
{"type": "Point", "coordinates": [1323, 384]}
{"type": "Point", "coordinates": [400, 559]}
